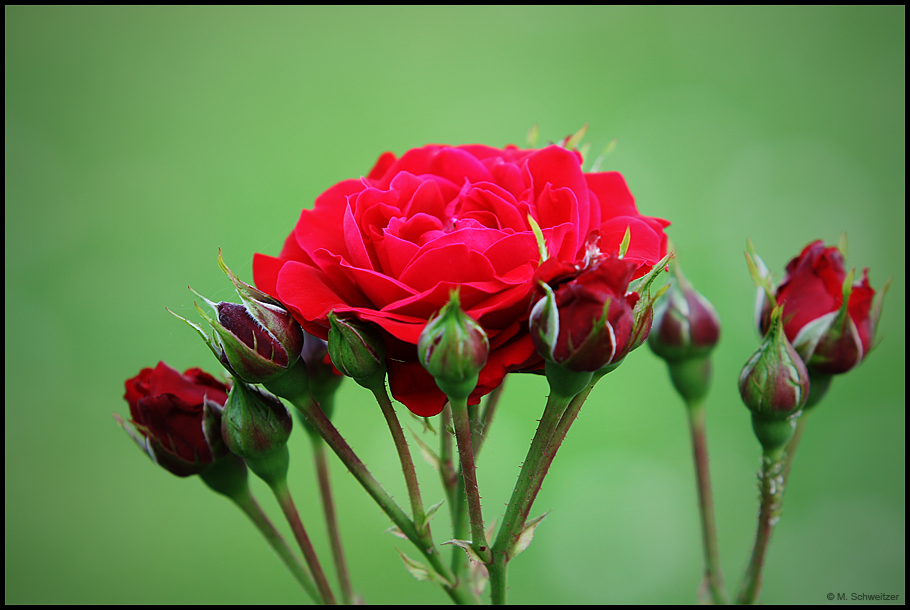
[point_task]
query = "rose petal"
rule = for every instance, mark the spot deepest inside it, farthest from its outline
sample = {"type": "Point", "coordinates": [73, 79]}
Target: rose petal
{"type": "Point", "coordinates": [451, 263]}
{"type": "Point", "coordinates": [383, 163]}
{"type": "Point", "coordinates": [613, 194]}
{"type": "Point", "coordinates": [394, 253]}
{"type": "Point", "coordinates": [308, 292]}
{"type": "Point", "coordinates": [492, 198]}
{"type": "Point", "coordinates": [412, 386]}
{"type": "Point", "coordinates": [353, 240]}
{"type": "Point", "coordinates": [319, 227]}
{"type": "Point", "coordinates": [458, 165]}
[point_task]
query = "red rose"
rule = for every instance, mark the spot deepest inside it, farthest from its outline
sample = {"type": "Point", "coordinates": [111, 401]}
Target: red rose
{"type": "Point", "coordinates": [589, 322]}
{"type": "Point", "coordinates": [812, 294]}
{"type": "Point", "coordinates": [167, 411]}
{"type": "Point", "coordinates": [389, 248]}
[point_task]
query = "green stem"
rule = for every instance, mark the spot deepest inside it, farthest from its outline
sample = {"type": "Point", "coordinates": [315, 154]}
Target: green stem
{"type": "Point", "coordinates": [280, 489]}
{"type": "Point", "coordinates": [292, 386]}
{"type": "Point", "coordinates": [453, 484]}
{"type": "Point", "coordinates": [404, 457]}
{"type": "Point", "coordinates": [469, 474]}
{"type": "Point", "coordinates": [523, 494]}
{"type": "Point", "coordinates": [713, 574]}
{"type": "Point", "coordinates": [771, 486]}
{"type": "Point", "coordinates": [479, 430]}
{"type": "Point", "coordinates": [238, 491]}
{"type": "Point", "coordinates": [331, 520]}
{"type": "Point", "coordinates": [793, 445]}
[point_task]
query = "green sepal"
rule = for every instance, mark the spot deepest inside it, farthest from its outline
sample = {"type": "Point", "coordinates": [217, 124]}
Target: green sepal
{"type": "Point", "coordinates": [564, 382]}
{"type": "Point", "coordinates": [541, 242]}
{"type": "Point", "coordinates": [774, 434]}
{"type": "Point", "coordinates": [254, 424]}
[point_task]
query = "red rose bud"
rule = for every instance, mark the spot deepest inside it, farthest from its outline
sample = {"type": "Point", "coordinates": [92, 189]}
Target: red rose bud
{"type": "Point", "coordinates": [257, 341]}
{"type": "Point", "coordinates": [686, 325]}
{"type": "Point", "coordinates": [830, 319]}
{"type": "Point", "coordinates": [774, 385]}
{"type": "Point", "coordinates": [586, 322]}
{"type": "Point", "coordinates": [254, 424]}
{"type": "Point", "coordinates": [453, 348]}
{"type": "Point", "coordinates": [176, 419]}
{"type": "Point", "coordinates": [357, 351]}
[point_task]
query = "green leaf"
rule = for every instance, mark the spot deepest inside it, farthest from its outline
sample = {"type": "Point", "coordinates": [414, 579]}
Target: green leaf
{"type": "Point", "coordinates": [428, 454]}
{"type": "Point", "coordinates": [526, 536]}
{"type": "Point", "coordinates": [468, 548]}
{"type": "Point", "coordinates": [422, 571]}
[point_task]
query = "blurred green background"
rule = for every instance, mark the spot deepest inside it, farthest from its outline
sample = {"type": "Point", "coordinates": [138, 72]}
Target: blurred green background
{"type": "Point", "coordinates": [139, 140]}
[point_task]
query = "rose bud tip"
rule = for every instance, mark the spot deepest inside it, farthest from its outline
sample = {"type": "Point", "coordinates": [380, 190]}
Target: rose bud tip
{"type": "Point", "coordinates": [453, 348]}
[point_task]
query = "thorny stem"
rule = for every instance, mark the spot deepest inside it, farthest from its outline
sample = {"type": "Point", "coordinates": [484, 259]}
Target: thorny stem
{"type": "Point", "coordinates": [241, 496]}
{"type": "Point", "coordinates": [771, 487]}
{"type": "Point", "coordinates": [713, 575]}
{"type": "Point", "coordinates": [404, 457]}
{"type": "Point", "coordinates": [469, 475]}
{"type": "Point", "coordinates": [292, 386]}
{"type": "Point", "coordinates": [283, 496]}
{"type": "Point", "coordinates": [523, 495]}
{"type": "Point", "coordinates": [331, 520]}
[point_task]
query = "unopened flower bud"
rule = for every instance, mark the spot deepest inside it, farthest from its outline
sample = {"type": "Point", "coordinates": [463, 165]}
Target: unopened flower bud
{"type": "Point", "coordinates": [357, 351]}
{"type": "Point", "coordinates": [176, 418]}
{"type": "Point", "coordinates": [774, 385]}
{"type": "Point", "coordinates": [686, 329]}
{"type": "Point", "coordinates": [453, 348]}
{"type": "Point", "coordinates": [586, 320]}
{"type": "Point", "coordinates": [257, 340]}
{"type": "Point", "coordinates": [686, 325]}
{"type": "Point", "coordinates": [254, 423]}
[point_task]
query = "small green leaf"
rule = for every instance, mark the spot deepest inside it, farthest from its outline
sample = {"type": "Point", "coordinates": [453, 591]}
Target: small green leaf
{"type": "Point", "coordinates": [421, 571]}
{"type": "Point", "coordinates": [759, 272]}
{"type": "Point", "coordinates": [595, 167]}
{"type": "Point", "coordinates": [877, 303]}
{"type": "Point", "coordinates": [573, 140]}
{"type": "Point", "coordinates": [526, 536]}
{"type": "Point", "coordinates": [842, 244]}
{"type": "Point", "coordinates": [538, 235]}
{"type": "Point", "coordinates": [432, 510]}
{"type": "Point", "coordinates": [428, 454]}
{"type": "Point", "coordinates": [624, 245]}
{"type": "Point", "coordinates": [468, 548]}
{"type": "Point", "coordinates": [533, 135]}
{"type": "Point", "coordinates": [395, 531]}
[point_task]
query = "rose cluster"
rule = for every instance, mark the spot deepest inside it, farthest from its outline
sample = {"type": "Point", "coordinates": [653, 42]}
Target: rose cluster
{"type": "Point", "coordinates": [387, 249]}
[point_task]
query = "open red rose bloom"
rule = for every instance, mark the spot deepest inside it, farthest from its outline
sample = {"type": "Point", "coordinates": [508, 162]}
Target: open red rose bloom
{"type": "Point", "coordinates": [388, 248]}
{"type": "Point", "coordinates": [167, 409]}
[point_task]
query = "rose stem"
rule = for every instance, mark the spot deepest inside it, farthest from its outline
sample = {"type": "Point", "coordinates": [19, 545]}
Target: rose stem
{"type": "Point", "coordinates": [453, 484]}
{"type": "Point", "coordinates": [283, 495]}
{"type": "Point", "coordinates": [771, 487]}
{"type": "Point", "coordinates": [241, 496]}
{"type": "Point", "coordinates": [469, 474]}
{"type": "Point", "coordinates": [404, 456]}
{"type": "Point", "coordinates": [713, 575]}
{"type": "Point", "coordinates": [522, 496]}
{"type": "Point", "coordinates": [331, 520]}
{"type": "Point", "coordinates": [292, 386]}
{"type": "Point", "coordinates": [455, 480]}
